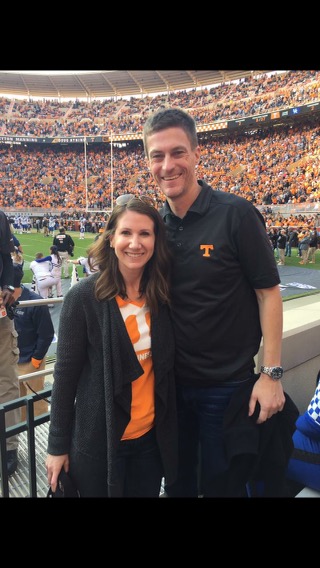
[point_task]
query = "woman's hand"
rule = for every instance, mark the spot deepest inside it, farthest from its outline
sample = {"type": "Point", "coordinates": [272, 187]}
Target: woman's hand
{"type": "Point", "coordinates": [54, 465]}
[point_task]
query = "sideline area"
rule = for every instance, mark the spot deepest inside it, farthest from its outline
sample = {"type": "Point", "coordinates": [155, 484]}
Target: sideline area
{"type": "Point", "coordinates": [296, 280]}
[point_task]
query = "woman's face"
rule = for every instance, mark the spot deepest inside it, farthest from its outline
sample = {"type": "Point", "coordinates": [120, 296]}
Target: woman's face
{"type": "Point", "coordinates": [133, 240]}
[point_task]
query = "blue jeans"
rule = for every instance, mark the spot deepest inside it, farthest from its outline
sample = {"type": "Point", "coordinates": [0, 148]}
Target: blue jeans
{"type": "Point", "coordinates": [202, 460]}
{"type": "Point", "coordinates": [139, 468]}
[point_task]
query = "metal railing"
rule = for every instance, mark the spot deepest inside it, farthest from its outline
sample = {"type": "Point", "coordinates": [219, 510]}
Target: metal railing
{"type": "Point", "coordinates": [30, 424]}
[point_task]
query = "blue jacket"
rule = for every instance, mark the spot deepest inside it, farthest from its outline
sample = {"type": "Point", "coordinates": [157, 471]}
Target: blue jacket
{"type": "Point", "coordinates": [34, 327]}
{"type": "Point", "coordinates": [304, 465]}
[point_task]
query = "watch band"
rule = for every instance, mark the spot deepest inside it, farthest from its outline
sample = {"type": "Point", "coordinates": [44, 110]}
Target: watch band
{"type": "Point", "coordinates": [275, 373]}
{"type": "Point", "coordinates": [9, 287]}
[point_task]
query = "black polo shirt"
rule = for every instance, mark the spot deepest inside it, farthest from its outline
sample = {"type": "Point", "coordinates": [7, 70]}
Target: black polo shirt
{"type": "Point", "coordinates": [221, 254]}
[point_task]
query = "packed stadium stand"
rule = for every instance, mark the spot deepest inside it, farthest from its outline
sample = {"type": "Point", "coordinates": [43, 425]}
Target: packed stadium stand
{"type": "Point", "coordinates": [259, 138]}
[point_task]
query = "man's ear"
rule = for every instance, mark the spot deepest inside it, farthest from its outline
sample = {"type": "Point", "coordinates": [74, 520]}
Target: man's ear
{"type": "Point", "coordinates": [197, 154]}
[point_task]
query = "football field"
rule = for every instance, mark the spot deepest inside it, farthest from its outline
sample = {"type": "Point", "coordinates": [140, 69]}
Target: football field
{"type": "Point", "coordinates": [296, 280]}
{"type": "Point", "coordinates": [36, 242]}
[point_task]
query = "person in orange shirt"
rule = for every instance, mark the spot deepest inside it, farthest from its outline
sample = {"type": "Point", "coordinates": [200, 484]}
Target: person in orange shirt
{"type": "Point", "coordinates": [113, 424]}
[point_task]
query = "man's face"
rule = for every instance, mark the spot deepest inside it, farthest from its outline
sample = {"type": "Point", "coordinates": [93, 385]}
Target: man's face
{"type": "Point", "coordinates": [172, 161]}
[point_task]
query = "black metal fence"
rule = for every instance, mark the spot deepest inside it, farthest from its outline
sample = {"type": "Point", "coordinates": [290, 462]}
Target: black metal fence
{"type": "Point", "coordinates": [29, 426]}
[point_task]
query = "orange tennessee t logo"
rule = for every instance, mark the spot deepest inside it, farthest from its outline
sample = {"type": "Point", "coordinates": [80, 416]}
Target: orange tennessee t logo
{"type": "Point", "coordinates": [206, 249]}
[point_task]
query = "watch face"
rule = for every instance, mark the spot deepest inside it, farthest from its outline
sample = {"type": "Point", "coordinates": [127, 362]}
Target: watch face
{"type": "Point", "coordinates": [273, 372]}
{"type": "Point", "coordinates": [277, 373]}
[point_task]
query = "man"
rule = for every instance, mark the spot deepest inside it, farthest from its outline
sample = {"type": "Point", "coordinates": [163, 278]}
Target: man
{"type": "Point", "coordinates": [35, 334]}
{"type": "Point", "coordinates": [281, 245]}
{"type": "Point", "coordinates": [65, 245]}
{"type": "Point", "coordinates": [9, 352]}
{"type": "Point", "coordinates": [225, 297]}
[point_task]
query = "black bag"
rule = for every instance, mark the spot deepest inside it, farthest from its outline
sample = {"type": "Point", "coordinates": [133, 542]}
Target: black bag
{"type": "Point", "coordinates": [65, 487]}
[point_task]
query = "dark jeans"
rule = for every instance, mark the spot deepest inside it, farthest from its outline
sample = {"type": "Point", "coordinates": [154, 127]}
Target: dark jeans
{"type": "Point", "coordinates": [139, 468]}
{"type": "Point", "coordinates": [202, 460]}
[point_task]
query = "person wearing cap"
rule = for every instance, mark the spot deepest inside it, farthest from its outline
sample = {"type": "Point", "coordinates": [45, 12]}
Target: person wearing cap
{"type": "Point", "coordinates": [9, 351]}
{"type": "Point", "coordinates": [35, 334]}
{"type": "Point", "coordinates": [65, 246]}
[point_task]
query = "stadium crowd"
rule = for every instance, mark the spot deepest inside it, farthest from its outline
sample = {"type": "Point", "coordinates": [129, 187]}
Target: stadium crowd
{"type": "Point", "coordinates": [250, 96]}
{"type": "Point", "coordinates": [268, 166]}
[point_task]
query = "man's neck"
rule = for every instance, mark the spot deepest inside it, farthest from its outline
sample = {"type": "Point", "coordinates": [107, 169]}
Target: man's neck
{"type": "Point", "coordinates": [181, 205]}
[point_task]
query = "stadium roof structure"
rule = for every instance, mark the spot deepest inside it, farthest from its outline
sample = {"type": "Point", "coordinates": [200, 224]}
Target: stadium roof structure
{"type": "Point", "coordinates": [106, 84]}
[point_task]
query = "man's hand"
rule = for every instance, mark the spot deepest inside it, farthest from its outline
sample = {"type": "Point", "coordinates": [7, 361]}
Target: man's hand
{"type": "Point", "coordinates": [269, 393]}
{"type": "Point", "coordinates": [6, 297]}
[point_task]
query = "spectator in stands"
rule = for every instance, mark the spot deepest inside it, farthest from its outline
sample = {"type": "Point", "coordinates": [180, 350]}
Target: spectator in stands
{"type": "Point", "coordinates": [35, 334]}
{"type": "Point", "coordinates": [65, 246]}
{"type": "Point", "coordinates": [9, 352]}
{"type": "Point", "coordinates": [113, 410]}
{"type": "Point", "coordinates": [225, 297]}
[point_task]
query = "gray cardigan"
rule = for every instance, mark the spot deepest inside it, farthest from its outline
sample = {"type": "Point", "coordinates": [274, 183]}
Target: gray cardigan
{"type": "Point", "coordinates": [96, 364]}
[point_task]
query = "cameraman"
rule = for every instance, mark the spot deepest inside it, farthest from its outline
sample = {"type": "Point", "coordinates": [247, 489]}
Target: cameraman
{"type": "Point", "coordinates": [65, 246]}
{"type": "Point", "coordinates": [9, 351]}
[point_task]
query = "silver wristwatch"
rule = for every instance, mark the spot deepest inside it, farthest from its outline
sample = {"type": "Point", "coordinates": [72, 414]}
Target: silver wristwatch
{"type": "Point", "coordinates": [275, 373]}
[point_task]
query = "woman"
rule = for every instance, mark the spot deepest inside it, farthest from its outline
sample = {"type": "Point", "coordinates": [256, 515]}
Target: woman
{"type": "Point", "coordinates": [56, 266]}
{"type": "Point", "coordinates": [44, 279]}
{"type": "Point", "coordinates": [113, 414]}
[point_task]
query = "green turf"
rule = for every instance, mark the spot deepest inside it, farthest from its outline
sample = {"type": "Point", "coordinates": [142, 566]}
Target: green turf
{"type": "Point", "coordinates": [36, 242]}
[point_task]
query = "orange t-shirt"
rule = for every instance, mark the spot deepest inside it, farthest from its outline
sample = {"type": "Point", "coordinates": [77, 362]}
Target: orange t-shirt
{"type": "Point", "coordinates": [136, 316]}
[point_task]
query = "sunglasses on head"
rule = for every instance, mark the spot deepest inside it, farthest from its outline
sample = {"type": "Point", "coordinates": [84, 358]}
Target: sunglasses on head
{"type": "Point", "coordinates": [124, 199]}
